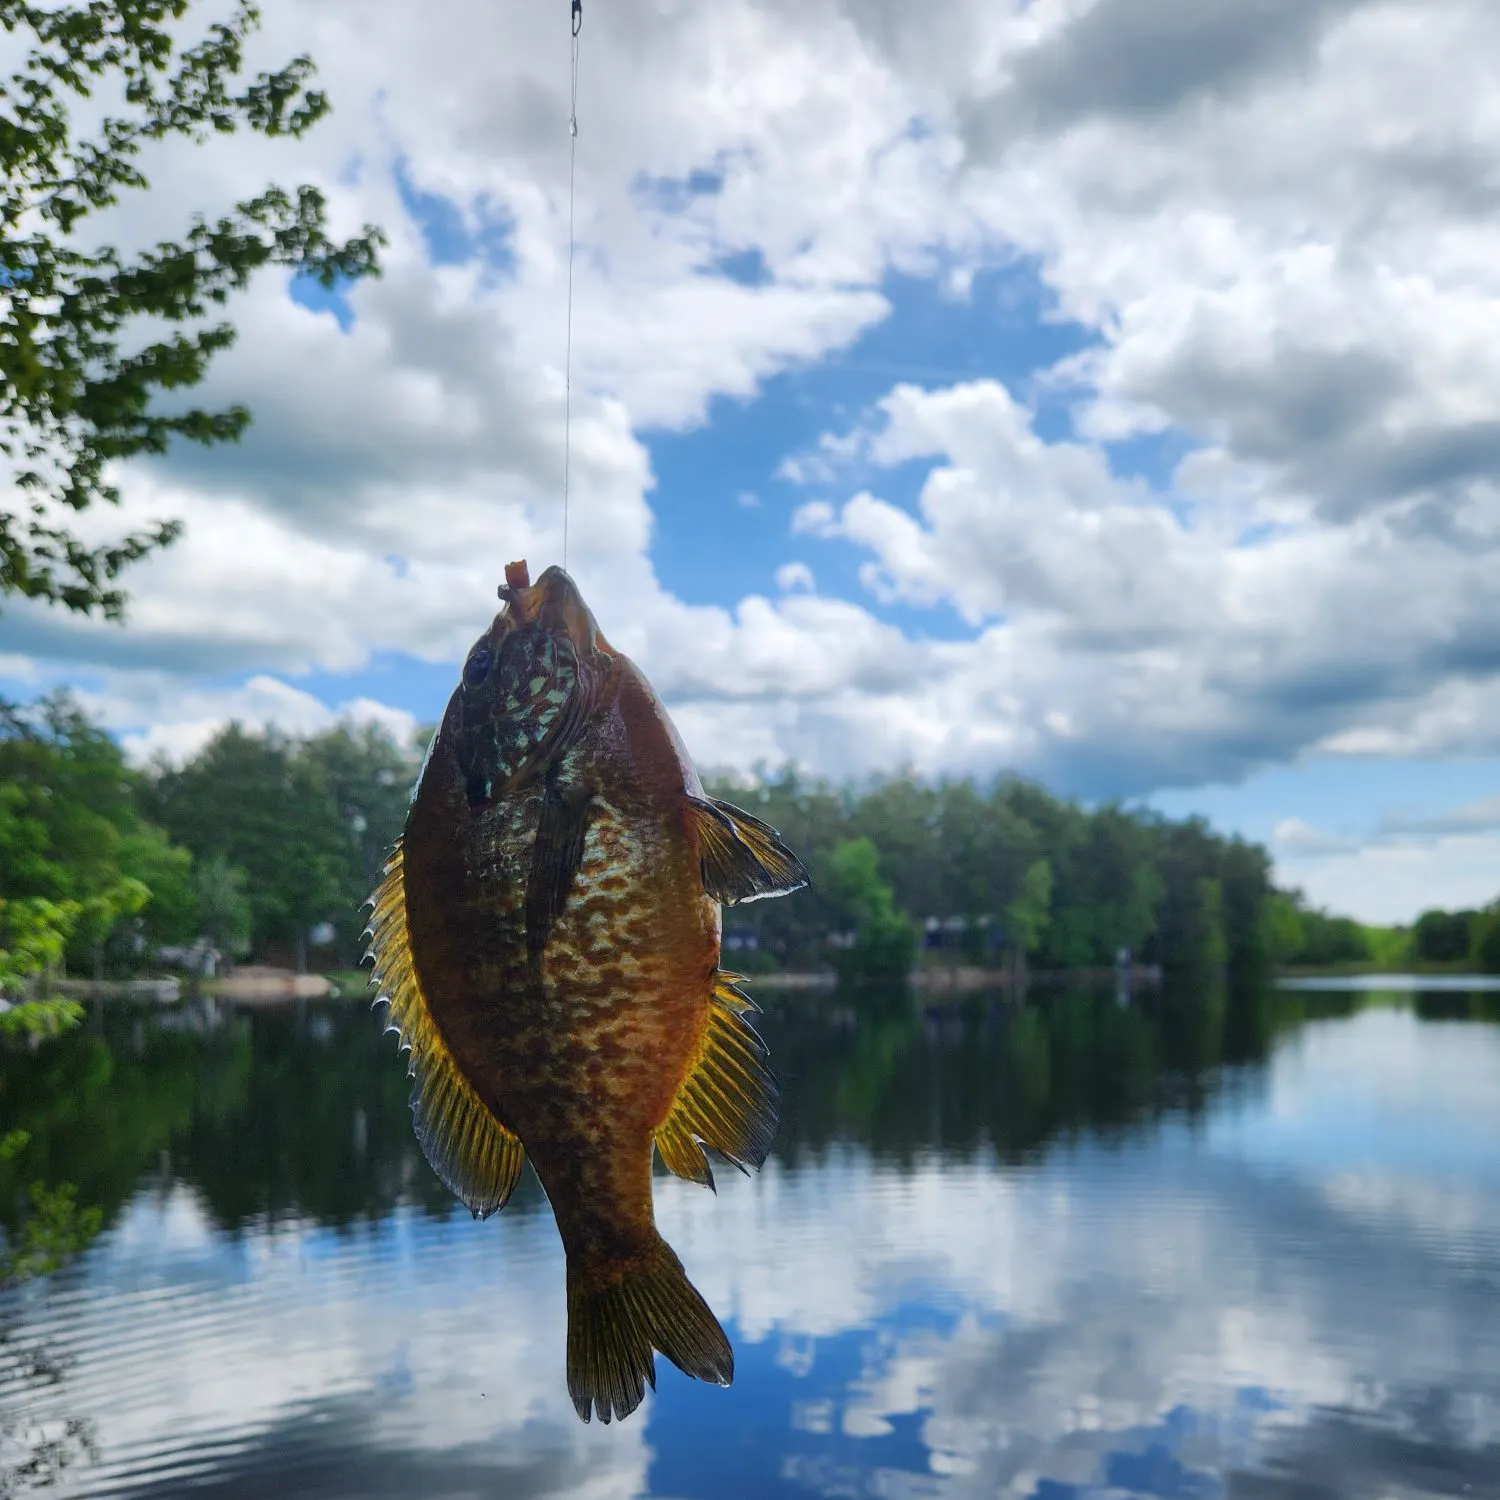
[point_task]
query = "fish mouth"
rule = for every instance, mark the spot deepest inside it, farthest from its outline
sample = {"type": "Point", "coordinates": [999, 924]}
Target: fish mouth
{"type": "Point", "coordinates": [554, 602]}
{"type": "Point", "coordinates": [523, 597]}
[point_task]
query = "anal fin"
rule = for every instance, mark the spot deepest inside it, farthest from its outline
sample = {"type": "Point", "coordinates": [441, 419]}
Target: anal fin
{"type": "Point", "coordinates": [728, 1099]}
{"type": "Point", "coordinates": [468, 1148]}
{"type": "Point", "coordinates": [742, 859]}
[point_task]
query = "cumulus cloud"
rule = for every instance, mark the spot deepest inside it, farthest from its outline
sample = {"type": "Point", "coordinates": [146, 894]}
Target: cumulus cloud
{"type": "Point", "coordinates": [1271, 272]}
{"type": "Point", "coordinates": [1402, 867]}
{"type": "Point", "coordinates": [1296, 836]}
{"type": "Point", "coordinates": [1167, 628]}
{"type": "Point", "coordinates": [156, 719]}
{"type": "Point", "coordinates": [1479, 816]}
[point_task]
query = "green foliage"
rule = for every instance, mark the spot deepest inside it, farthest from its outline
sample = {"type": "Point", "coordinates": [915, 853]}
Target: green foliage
{"type": "Point", "coordinates": [1114, 878]}
{"type": "Point", "coordinates": [71, 402]}
{"type": "Point", "coordinates": [250, 845]}
{"type": "Point", "coordinates": [40, 1018]}
{"type": "Point", "coordinates": [165, 872]}
{"type": "Point", "coordinates": [78, 863]}
{"type": "Point", "coordinates": [1390, 947]}
{"type": "Point", "coordinates": [225, 917]}
{"type": "Point", "coordinates": [1444, 937]}
{"type": "Point", "coordinates": [1304, 936]}
{"type": "Point", "coordinates": [1485, 950]}
{"type": "Point", "coordinates": [1285, 931]}
{"type": "Point", "coordinates": [1332, 940]}
{"type": "Point", "coordinates": [369, 779]}
{"type": "Point", "coordinates": [885, 943]}
{"type": "Point", "coordinates": [33, 933]}
{"type": "Point", "coordinates": [1028, 914]}
{"type": "Point", "coordinates": [259, 839]}
{"type": "Point", "coordinates": [295, 830]}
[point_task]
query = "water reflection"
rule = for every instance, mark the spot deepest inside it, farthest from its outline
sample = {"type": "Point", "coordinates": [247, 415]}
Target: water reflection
{"type": "Point", "coordinates": [1198, 1244]}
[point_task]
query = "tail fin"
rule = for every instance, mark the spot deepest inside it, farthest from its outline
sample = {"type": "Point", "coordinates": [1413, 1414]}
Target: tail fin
{"type": "Point", "coordinates": [616, 1321]}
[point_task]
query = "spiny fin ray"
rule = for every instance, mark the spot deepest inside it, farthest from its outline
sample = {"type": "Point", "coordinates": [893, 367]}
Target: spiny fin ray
{"type": "Point", "coordinates": [728, 1099]}
{"type": "Point", "coordinates": [742, 858]}
{"type": "Point", "coordinates": [615, 1323]}
{"type": "Point", "coordinates": [475, 1155]}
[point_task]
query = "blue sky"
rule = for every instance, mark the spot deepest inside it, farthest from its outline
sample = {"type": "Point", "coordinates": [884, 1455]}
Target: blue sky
{"type": "Point", "coordinates": [1004, 389]}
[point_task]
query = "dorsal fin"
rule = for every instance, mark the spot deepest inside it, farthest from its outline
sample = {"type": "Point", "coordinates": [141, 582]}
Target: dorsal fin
{"type": "Point", "coordinates": [473, 1153]}
{"type": "Point", "coordinates": [728, 1099]}
{"type": "Point", "coordinates": [742, 858]}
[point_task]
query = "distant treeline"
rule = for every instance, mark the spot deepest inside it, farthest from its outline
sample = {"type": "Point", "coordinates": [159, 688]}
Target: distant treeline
{"type": "Point", "coordinates": [266, 846]}
{"type": "Point", "coordinates": [260, 846]}
{"type": "Point", "coordinates": [1459, 937]}
{"type": "Point", "coordinates": [986, 875]}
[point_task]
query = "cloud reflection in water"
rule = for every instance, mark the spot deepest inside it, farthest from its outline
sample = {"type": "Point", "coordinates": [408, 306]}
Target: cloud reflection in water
{"type": "Point", "coordinates": [1248, 1301]}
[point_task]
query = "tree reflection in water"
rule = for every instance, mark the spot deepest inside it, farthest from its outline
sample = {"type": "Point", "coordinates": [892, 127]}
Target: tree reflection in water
{"type": "Point", "coordinates": [298, 1115]}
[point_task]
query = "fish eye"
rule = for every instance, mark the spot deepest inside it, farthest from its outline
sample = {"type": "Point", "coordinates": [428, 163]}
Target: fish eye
{"type": "Point", "coordinates": [477, 668]}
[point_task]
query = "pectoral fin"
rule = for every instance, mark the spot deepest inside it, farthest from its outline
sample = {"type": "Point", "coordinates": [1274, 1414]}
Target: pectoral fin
{"type": "Point", "coordinates": [742, 858]}
{"type": "Point", "coordinates": [473, 1153]}
{"type": "Point", "coordinates": [555, 859]}
{"type": "Point", "coordinates": [728, 1099]}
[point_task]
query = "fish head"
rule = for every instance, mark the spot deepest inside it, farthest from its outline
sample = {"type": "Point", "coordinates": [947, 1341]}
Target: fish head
{"type": "Point", "coordinates": [527, 683]}
{"type": "Point", "coordinates": [554, 604]}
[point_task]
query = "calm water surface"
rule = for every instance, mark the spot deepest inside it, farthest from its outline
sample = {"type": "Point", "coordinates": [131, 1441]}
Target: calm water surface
{"type": "Point", "coordinates": [1240, 1247]}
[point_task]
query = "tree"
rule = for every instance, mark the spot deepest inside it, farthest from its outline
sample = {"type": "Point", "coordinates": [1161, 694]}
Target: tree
{"type": "Point", "coordinates": [1245, 874]}
{"type": "Point", "coordinates": [885, 943]}
{"type": "Point", "coordinates": [33, 933]}
{"type": "Point", "coordinates": [224, 915]}
{"type": "Point", "coordinates": [1444, 937]}
{"type": "Point", "coordinates": [1190, 934]}
{"type": "Point", "coordinates": [71, 403]}
{"type": "Point", "coordinates": [368, 777]}
{"type": "Point", "coordinates": [1331, 940]}
{"type": "Point", "coordinates": [1285, 932]}
{"type": "Point", "coordinates": [1485, 953]}
{"type": "Point", "coordinates": [166, 871]}
{"type": "Point", "coordinates": [258, 803]}
{"type": "Point", "coordinates": [75, 856]}
{"type": "Point", "coordinates": [1027, 916]}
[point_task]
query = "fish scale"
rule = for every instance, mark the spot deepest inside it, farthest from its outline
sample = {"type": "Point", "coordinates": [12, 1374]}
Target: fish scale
{"type": "Point", "coordinates": [547, 937]}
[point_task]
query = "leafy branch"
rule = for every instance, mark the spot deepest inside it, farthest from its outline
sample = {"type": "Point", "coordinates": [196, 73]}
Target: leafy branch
{"type": "Point", "coordinates": [71, 403]}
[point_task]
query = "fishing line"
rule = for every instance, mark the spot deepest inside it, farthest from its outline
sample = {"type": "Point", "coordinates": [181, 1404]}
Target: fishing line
{"type": "Point", "coordinates": [568, 357]}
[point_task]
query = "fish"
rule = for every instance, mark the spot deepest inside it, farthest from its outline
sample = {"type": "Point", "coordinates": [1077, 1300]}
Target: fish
{"type": "Point", "coordinates": [546, 936]}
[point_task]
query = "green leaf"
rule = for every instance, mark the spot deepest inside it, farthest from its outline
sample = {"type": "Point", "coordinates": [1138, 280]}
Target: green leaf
{"type": "Point", "coordinates": [70, 402]}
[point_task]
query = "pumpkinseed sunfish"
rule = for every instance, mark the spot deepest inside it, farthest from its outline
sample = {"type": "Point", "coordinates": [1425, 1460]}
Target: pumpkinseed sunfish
{"type": "Point", "coordinates": [547, 938]}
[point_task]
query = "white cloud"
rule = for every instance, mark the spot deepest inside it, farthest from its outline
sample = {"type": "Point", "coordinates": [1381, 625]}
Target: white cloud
{"type": "Point", "coordinates": [1390, 876]}
{"type": "Point", "coordinates": [1295, 836]}
{"type": "Point", "coordinates": [1480, 816]}
{"type": "Point", "coordinates": [156, 716]}
{"type": "Point", "coordinates": [1293, 283]}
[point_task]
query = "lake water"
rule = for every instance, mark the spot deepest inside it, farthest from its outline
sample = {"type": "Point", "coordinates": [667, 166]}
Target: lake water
{"type": "Point", "coordinates": [1246, 1246]}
